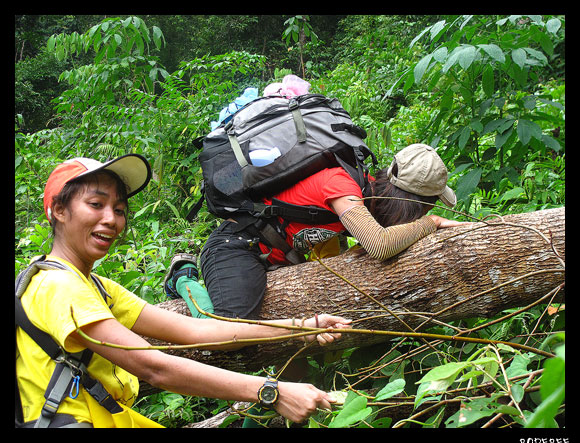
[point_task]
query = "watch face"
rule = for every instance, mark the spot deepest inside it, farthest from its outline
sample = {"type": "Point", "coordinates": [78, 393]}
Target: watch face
{"type": "Point", "coordinates": [268, 394]}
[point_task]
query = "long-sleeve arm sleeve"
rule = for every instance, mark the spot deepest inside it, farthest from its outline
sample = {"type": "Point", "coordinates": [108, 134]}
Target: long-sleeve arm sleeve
{"type": "Point", "coordinates": [383, 243]}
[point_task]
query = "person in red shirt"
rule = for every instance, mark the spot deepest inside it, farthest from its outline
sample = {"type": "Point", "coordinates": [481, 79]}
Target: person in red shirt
{"type": "Point", "coordinates": [234, 260]}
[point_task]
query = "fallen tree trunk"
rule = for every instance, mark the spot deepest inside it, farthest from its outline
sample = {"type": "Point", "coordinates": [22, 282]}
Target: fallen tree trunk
{"type": "Point", "coordinates": [454, 274]}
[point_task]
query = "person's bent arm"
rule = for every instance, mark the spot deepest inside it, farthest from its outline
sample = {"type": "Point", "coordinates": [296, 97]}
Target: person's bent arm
{"type": "Point", "coordinates": [176, 328]}
{"type": "Point", "coordinates": [384, 242]}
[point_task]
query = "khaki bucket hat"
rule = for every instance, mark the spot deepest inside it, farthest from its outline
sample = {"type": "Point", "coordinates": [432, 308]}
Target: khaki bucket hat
{"type": "Point", "coordinates": [421, 171]}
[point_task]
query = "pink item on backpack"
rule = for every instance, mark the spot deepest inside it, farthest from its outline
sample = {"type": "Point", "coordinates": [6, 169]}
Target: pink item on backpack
{"type": "Point", "coordinates": [291, 86]}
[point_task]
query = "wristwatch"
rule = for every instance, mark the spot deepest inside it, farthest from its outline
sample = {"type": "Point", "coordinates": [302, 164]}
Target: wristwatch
{"type": "Point", "coordinates": [268, 394]}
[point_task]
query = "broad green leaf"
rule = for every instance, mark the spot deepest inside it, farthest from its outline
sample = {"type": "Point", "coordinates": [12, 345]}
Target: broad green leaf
{"type": "Point", "coordinates": [553, 376]}
{"type": "Point", "coordinates": [512, 193]}
{"type": "Point", "coordinates": [530, 102]}
{"type": "Point", "coordinates": [536, 19]}
{"type": "Point", "coordinates": [393, 388]}
{"type": "Point", "coordinates": [466, 57]}
{"type": "Point", "coordinates": [464, 137]}
{"type": "Point", "coordinates": [153, 74]}
{"type": "Point", "coordinates": [505, 409]}
{"type": "Point", "coordinates": [519, 57]}
{"type": "Point", "coordinates": [476, 125]}
{"type": "Point", "coordinates": [443, 372]}
{"type": "Point", "coordinates": [466, 93]}
{"type": "Point", "coordinates": [51, 42]}
{"type": "Point", "coordinates": [506, 348]}
{"type": "Point", "coordinates": [440, 54]}
{"type": "Point", "coordinates": [537, 55]}
{"type": "Point", "coordinates": [489, 153]}
{"type": "Point", "coordinates": [420, 67]}
{"type": "Point", "coordinates": [551, 143]}
{"type": "Point", "coordinates": [446, 100]}
{"type": "Point", "coordinates": [451, 60]}
{"type": "Point", "coordinates": [436, 28]}
{"type": "Point", "coordinates": [408, 83]}
{"type": "Point", "coordinates": [505, 124]}
{"type": "Point", "coordinates": [502, 137]}
{"type": "Point", "coordinates": [544, 414]}
{"type": "Point", "coordinates": [496, 125]}
{"type": "Point", "coordinates": [517, 392]}
{"type": "Point", "coordinates": [467, 184]}
{"type": "Point", "coordinates": [157, 36]}
{"type": "Point", "coordinates": [353, 412]}
{"type": "Point", "coordinates": [421, 34]}
{"type": "Point", "coordinates": [490, 366]}
{"type": "Point", "coordinates": [60, 53]}
{"type": "Point", "coordinates": [470, 412]}
{"type": "Point", "coordinates": [494, 52]}
{"type": "Point", "coordinates": [125, 23]}
{"type": "Point", "coordinates": [487, 81]}
{"type": "Point", "coordinates": [527, 129]}
{"type": "Point", "coordinates": [313, 423]}
{"type": "Point", "coordinates": [518, 366]}
{"type": "Point", "coordinates": [405, 74]}
{"type": "Point", "coordinates": [545, 42]}
{"type": "Point", "coordinates": [469, 375]}
{"type": "Point", "coordinates": [551, 103]}
{"type": "Point", "coordinates": [553, 25]}
{"type": "Point", "coordinates": [431, 387]}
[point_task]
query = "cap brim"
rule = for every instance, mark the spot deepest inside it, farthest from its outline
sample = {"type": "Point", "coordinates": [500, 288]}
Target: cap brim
{"type": "Point", "coordinates": [133, 169]}
{"type": "Point", "coordinates": [448, 197]}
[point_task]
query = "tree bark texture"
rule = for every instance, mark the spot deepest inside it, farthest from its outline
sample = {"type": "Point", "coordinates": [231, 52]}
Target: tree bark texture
{"type": "Point", "coordinates": [445, 274]}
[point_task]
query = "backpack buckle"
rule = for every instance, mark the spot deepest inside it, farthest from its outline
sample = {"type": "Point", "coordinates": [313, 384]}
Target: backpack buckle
{"type": "Point", "coordinates": [269, 211]}
{"type": "Point", "coordinates": [293, 104]}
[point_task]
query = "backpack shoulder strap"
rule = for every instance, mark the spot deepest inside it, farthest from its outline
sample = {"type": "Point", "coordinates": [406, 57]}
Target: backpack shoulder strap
{"type": "Point", "coordinates": [99, 284]}
{"type": "Point", "coordinates": [23, 279]}
{"type": "Point", "coordinates": [44, 340]}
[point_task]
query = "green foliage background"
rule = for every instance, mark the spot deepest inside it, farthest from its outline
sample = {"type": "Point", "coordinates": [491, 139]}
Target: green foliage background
{"type": "Point", "coordinates": [487, 91]}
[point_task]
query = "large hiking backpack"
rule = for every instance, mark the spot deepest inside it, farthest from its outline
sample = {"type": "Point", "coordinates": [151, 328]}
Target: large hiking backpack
{"type": "Point", "coordinates": [310, 132]}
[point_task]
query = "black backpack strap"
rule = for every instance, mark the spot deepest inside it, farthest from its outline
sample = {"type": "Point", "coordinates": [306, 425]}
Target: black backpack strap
{"type": "Point", "coordinates": [195, 209]}
{"type": "Point", "coordinates": [274, 239]}
{"type": "Point", "coordinates": [312, 215]}
{"type": "Point", "coordinates": [41, 338]}
{"type": "Point", "coordinates": [100, 394]}
{"type": "Point", "coordinates": [102, 290]}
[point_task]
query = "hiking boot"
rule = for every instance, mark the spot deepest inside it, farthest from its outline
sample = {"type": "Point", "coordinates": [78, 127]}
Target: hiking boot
{"type": "Point", "coordinates": [176, 270]}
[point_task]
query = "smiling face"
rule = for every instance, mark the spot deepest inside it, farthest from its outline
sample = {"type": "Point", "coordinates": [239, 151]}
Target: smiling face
{"type": "Point", "coordinates": [89, 222]}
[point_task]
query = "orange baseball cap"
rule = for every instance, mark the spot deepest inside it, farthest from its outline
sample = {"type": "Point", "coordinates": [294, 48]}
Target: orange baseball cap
{"type": "Point", "coordinates": [133, 169]}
